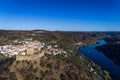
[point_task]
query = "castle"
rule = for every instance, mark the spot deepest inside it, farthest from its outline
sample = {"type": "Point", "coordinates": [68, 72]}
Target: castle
{"type": "Point", "coordinates": [30, 50]}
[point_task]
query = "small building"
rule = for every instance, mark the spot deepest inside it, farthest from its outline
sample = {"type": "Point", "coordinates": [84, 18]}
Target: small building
{"type": "Point", "coordinates": [23, 53]}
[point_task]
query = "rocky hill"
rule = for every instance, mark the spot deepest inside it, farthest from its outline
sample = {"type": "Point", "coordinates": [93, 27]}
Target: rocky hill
{"type": "Point", "coordinates": [70, 66]}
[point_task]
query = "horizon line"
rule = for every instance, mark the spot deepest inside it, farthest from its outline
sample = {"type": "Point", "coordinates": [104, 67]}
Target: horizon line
{"type": "Point", "coordinates": [54, 30]}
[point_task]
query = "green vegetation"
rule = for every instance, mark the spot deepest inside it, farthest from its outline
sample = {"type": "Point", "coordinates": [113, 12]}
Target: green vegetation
{"type": "Point", "coordinates": [42, 64]}
{"type": "Point", "coordinates": [107, 77]}
{"type": "Point", "coordinates": [4, 68]}
{"type": "Point", "coordinates": [70, 66]}
{"type": "Point", "coordinates": [112, 48]}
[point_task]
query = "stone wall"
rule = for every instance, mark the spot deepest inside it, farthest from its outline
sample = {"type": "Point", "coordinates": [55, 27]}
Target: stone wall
{"type": "Point", "coordinates": [20, 58]}
{"type": "Point", "coordinates": [29, 57]}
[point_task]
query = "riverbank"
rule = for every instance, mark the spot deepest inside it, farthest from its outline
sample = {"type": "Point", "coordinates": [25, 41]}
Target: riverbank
{"type": "Point", "coordinates": [99, 58]}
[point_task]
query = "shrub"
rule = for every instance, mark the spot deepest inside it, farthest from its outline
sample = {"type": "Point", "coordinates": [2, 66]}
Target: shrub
{"type": "Point", "coordinates": [62, 76]}
{"type": "Point", "coordinates": [42, 63]}
{"type": "Point", "coordinates": [35, 70]}
{"type": "Point", "coordinates": [49, 65]}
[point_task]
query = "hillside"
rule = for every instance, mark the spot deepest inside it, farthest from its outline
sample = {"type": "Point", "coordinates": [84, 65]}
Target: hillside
{"type": "Point", "coordinates": [112, 48]}
{"type": "Point", "coordinates": [57, 67]}
{"type": "Point", "coordinates": [70, 66]}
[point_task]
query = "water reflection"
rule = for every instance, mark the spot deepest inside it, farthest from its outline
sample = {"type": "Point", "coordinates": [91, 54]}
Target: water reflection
{"type": "Point", "coordinates": [100, 59]}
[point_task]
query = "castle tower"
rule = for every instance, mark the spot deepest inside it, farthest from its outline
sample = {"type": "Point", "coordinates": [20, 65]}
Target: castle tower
{"type": "Point", "coordinates": [30, 50]}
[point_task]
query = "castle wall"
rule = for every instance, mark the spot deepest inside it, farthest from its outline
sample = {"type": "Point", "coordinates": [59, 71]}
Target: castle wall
{"type": "Point", "coordinates": [30, 57]}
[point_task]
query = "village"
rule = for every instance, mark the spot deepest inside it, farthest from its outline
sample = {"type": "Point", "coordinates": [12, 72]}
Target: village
{"type": "Point", "coordinates": [29, 50]}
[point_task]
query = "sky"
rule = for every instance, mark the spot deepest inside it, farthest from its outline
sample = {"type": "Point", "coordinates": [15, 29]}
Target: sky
{"type": "Point", "coordinates": [62, 15]}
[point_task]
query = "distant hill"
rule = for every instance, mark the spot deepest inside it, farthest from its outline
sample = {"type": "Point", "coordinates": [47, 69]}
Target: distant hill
{"type": "Point", "coordinates": [112, 48]}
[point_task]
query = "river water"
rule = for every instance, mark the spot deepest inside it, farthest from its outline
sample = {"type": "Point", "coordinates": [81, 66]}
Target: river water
{"type": "Point", "coordinates": [100, 59]}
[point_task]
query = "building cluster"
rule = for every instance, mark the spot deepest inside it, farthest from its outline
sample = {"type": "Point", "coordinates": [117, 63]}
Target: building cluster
{"type": "Point", "coordinates": [28, 47]}
{"type": "Point", "coordinates": [54, 50]}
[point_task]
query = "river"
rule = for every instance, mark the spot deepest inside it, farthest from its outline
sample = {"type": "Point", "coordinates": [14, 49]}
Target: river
{"type": "Point", "coordinates": [100, 59]}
